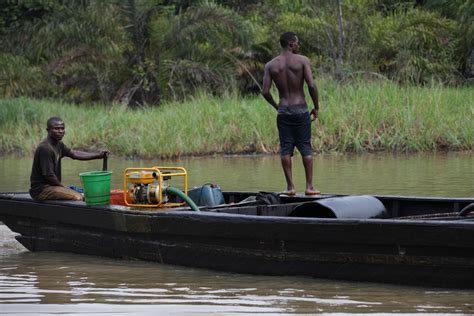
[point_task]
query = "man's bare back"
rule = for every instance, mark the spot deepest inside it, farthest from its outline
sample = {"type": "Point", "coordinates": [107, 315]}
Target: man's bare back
{"type": "Point", "coordinates": [287, 71]}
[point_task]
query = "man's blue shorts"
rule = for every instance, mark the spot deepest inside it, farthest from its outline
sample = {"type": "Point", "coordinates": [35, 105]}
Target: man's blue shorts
{"type": "Point", "coordinates": [294, 130]}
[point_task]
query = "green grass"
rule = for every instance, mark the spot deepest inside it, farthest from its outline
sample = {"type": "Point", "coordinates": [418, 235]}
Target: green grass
{"type": "Point", "coordinates": [360, 117]}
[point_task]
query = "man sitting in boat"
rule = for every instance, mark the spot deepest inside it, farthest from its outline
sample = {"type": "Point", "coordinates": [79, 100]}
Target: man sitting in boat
{"type": "Point", "coordinates": [46, 170]}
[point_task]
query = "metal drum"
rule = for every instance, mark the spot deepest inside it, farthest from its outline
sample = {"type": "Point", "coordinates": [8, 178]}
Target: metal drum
{"type": "Point", "coordinates": [357, 207]}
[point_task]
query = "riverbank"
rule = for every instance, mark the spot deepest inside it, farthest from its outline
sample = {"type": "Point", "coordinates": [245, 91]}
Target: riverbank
{"type": "Point", "coordinates": [360, 117]}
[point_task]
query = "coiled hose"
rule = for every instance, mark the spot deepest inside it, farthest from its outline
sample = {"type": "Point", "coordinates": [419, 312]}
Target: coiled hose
{"type": "Point", "coordinates": [466, 210]}
{"type": "Point", "coordinates": [186, 198]}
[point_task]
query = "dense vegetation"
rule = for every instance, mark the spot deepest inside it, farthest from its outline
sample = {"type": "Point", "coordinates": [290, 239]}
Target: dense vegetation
{"type": "Point", "coordinates": [357, 117]}
{"type": "Point", "coordinates": [137, 52]}
{"type": "Point", "coordinates": [393, 75]}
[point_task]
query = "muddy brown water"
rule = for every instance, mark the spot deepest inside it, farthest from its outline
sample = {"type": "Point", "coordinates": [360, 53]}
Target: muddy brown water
{"type": "Point", "coordinates": [56, 283]}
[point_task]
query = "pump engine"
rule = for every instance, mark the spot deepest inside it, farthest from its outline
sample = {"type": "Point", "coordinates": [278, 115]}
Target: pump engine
{"type": "Point", "coordinates": [148, 187]}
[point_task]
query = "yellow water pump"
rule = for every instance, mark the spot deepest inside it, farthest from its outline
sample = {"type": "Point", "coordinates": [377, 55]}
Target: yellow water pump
{"type": "Point", "coordinates": [150, 187]}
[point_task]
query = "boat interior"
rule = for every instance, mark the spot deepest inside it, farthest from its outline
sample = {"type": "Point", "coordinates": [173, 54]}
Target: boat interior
{"type": "Point", "coordinates": [347, 206]}
{"type": "Point", "coordinates": [320, 206]}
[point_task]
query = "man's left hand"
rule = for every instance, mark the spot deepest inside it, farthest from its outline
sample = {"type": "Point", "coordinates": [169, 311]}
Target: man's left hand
{"type": "Point", "coordinates": [313, 114]}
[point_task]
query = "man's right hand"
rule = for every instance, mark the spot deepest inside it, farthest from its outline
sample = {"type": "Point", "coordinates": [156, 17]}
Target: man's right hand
{"type": "Point", "coordinates": [104, 153]}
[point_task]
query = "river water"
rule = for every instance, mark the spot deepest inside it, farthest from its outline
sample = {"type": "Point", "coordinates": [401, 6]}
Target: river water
{"type": "Point", "coordinates": [57, 283]}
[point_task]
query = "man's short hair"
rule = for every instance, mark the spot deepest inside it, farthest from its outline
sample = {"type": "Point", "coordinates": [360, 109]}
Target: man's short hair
{"type": "Point", "coordinates": [53, 120]}
{"type": "Point", "coordinates": [287, 38]}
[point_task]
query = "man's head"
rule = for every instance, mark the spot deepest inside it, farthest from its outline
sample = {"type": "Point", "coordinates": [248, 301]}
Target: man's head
{"type": "Point", "coordinates": [289, 40]}
{"type": "Point", "coordinates": [55, 128]}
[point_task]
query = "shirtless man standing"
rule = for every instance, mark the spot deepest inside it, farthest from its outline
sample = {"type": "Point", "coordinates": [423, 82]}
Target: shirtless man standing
{"type": "Point", "coordinates": [289, 71]}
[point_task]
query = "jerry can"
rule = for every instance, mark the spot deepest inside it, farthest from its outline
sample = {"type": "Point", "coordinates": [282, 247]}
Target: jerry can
{"type": "Point", "coordinates": [207, 195]}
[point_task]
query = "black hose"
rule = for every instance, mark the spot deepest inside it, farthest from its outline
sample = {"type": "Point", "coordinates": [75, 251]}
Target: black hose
{"type": "Point", "coordinates": [104, 164]}
{"type": "Point", "coordinates": [466, 210]}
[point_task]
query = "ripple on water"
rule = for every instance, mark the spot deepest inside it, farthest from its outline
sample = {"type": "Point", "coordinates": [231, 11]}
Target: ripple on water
{"type": "Point", "coordinates": [83, 283]}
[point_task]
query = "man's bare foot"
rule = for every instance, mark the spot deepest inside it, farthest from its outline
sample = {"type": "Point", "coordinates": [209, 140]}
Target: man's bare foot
{"type": "Point", "coordinates": [312, 192]}
{"type": "Point", "coordinates": [289, 192]}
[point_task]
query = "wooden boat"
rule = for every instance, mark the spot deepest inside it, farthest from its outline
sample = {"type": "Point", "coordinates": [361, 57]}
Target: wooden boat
{"type": "Point", "coordinates": [420, 241]}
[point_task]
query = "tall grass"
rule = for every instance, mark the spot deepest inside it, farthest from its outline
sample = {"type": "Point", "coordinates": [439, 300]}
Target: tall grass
{"type": "Point", "coordinates": [362, 116]}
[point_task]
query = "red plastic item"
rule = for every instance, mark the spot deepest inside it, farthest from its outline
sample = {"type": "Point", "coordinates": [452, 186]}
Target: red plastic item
{"type": "Point", "coordinates": [116, 197]}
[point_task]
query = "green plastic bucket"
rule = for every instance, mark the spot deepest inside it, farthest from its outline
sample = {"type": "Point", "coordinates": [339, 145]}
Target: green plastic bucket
{"type": "Point", "coordinates": [96, 187]}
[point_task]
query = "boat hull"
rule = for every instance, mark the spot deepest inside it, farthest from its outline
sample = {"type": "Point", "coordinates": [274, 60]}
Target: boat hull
{"type": "Point", "coordinates": [416, 252]}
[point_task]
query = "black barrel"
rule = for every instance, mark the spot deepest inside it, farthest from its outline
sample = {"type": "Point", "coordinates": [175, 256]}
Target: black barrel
{"type": "Point", "coordinates": [360, 206]}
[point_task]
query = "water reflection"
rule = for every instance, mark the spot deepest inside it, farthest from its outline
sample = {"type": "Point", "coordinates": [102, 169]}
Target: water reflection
{"type": "Point", "coordinates": [73, 279]}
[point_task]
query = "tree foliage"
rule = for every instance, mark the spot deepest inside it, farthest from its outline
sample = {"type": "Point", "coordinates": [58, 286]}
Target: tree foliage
{"type": "Point", "coordinates": [143, 51]}
{"type": "Point", "coordinates": [416, 46]}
